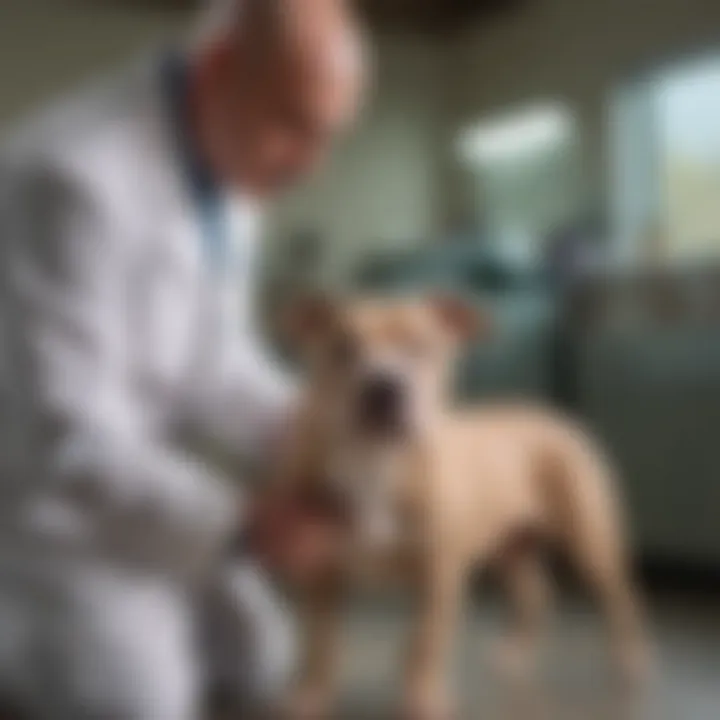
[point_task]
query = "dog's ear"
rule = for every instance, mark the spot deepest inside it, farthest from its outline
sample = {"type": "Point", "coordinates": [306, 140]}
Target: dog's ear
{"type": "Point", "coordinates": [308, 317]}
{"type": "Point", "coordinates": [462, 319]}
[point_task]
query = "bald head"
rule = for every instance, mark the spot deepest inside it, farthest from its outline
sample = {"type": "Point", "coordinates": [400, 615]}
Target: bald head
{"type": "Point", "coordinates": [309, 31]}
{"type": "Point", "coordinates": [287, 77]}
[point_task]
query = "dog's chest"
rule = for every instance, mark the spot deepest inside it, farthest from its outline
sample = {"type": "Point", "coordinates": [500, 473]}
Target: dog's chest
{"type": "Point", "coordinates": [370, 488]}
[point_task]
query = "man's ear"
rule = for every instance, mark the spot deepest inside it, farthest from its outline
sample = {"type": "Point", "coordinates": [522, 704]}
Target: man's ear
{"type": "Point", "coordinates": [461, 318]}
{"type": "Point", "coordinates": [306, 318]}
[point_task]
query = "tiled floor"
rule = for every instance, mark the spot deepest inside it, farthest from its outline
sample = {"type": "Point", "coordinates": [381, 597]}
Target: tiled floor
{"type": "Point", "coordinates": [574, 683]}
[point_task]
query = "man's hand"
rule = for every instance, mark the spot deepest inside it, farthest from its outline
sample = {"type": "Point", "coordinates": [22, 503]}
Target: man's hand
{"type": "Point", "coordinates": [299, 538]}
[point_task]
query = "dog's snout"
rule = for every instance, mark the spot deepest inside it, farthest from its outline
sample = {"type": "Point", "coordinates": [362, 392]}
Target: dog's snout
{"type": "Point", "coordinates": [382, 393]}
{"type": "Point", "coordinates": [381, 402]}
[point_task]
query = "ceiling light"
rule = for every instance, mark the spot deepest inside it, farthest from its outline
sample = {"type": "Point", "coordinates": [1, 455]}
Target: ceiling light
{"type": "Point", "coordinates": [516, 136]}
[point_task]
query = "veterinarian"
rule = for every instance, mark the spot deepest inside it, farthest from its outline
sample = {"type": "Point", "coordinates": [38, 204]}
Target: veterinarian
{"type": "Point", "coordinates": [128, 221]}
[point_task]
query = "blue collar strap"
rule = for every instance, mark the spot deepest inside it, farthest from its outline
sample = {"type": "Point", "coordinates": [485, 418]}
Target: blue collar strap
{"type": "Point", "coordinates": [205, 191]}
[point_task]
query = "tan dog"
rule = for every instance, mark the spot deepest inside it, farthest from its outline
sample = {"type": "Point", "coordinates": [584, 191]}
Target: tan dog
{"type": "Point", "coordinates": [432, 492]}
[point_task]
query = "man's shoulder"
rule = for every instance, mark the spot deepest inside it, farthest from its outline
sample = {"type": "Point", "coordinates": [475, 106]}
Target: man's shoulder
{"type": "Point", "coordinates": [96, 136]}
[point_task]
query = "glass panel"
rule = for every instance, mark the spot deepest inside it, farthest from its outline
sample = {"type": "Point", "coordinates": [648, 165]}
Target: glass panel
{"type": "Point", "coordinates": [688, 103]}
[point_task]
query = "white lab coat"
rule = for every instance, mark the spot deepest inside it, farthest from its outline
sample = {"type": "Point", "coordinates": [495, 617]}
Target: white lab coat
{"type": "Point", "coordinates": [116, 337]}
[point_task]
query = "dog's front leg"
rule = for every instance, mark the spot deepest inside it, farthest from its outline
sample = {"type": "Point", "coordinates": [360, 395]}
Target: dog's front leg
{"type": "Point", "coordinates": [440, 597]}
{"type": "Point", "coordinates": [317, 677]}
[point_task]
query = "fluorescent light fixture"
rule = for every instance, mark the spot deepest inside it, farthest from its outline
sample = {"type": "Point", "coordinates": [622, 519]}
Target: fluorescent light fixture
{"type": "Point", "coordinates": [515, 136]}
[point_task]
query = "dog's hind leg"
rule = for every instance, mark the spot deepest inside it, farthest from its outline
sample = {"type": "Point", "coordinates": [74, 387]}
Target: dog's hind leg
{"type": "Point", "coordinates": [594, 538]}
{"type": "Point", "coordinates": [610, 578]}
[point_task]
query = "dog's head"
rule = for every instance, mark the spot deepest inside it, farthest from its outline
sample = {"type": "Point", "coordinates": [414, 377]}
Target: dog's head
{"type": "Point", "coordinates": [379, 369]}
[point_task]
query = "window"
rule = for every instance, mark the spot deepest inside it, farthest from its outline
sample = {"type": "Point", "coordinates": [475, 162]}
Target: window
{"type": "Point", "coordinates": [666, 142]}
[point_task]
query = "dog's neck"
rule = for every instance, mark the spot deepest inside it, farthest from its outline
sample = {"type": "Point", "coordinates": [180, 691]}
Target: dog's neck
{"type": "Point", "coordinates": [376, 487]}
{"type": "Point", "coordinates": [365, 476]}
{"type": "Point", "coordinates": [356, 466]}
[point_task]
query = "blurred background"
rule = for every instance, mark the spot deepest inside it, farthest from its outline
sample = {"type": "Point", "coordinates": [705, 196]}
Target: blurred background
{"type": "Point", "coordinates": [558, 160]}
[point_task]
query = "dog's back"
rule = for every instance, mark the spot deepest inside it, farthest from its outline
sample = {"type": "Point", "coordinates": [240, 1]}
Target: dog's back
{"type": "Point", "coordinates": [531, 467]}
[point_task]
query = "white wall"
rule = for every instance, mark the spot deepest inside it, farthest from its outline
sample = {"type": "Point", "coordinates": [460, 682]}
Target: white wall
{"type": "Point", "coordinates": [382, 187]}
{"type": "Point", "coordinates": [47, 46]}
